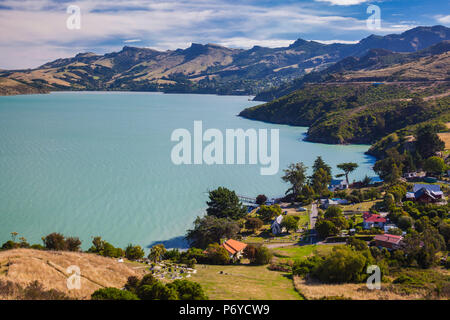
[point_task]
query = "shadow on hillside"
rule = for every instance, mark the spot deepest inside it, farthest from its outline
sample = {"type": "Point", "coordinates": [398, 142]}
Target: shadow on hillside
{"type": "Point", "coordinates": [175, 242]}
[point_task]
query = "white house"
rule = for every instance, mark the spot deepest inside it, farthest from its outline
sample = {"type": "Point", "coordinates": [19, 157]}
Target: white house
{"type": "Point", "coordinates": [276, 225]}
{"type": "Point", "coordinates": [338, 185]}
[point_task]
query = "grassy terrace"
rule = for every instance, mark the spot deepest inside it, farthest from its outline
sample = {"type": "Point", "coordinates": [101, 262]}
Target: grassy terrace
{"type": "Point", "coordinates": [245, 282]}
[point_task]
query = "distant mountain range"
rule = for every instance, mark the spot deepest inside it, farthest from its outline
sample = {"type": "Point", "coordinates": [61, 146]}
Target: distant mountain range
{"type": "Point", "coordinates": [211, 68]}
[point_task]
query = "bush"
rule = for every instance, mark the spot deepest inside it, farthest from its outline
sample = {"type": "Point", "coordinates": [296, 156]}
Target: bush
{"type": "Point", "coordinates": [113, 294]}
{"type": "Point", "coordinates": [267, 213]}
{"type": "Point", "coordinates": [134, 252]}
{"type": "Point", "coordinates": [342, 265]}
{"type": "Point", "coordinates": [253, 224]}
{"type": "Point", "coordinates": [217, 254]}
{"type": "Point", "coordinates": [262, 255]}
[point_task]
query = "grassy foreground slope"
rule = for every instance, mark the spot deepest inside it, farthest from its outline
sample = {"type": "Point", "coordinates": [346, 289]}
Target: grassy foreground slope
{"type": "Point", "coordinates": [22, 266]}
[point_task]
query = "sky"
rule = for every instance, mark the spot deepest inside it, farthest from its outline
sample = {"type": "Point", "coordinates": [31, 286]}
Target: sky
{"type": "Point", "coordinates": [33, 32]}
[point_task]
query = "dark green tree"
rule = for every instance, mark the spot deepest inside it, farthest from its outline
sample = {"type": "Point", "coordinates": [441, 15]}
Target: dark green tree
{"type": "Point", "coordinates": [224, 203]}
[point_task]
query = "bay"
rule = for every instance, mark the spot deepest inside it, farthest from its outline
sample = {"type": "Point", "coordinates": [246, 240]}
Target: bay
{"type": "Point", "coordinates": [98, 163]}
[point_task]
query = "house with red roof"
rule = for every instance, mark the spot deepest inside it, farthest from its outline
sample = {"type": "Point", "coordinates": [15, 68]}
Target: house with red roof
{"type": "Point", "coordinates": [373, 220]}
{"type": "Point", "coordinates": [235, 248]}
{"type": "Point", "coordinates": [388, 241]}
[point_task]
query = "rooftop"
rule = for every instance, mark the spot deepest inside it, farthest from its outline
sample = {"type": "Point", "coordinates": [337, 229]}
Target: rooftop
{"type": "Point", "coordinates": [233, 246]}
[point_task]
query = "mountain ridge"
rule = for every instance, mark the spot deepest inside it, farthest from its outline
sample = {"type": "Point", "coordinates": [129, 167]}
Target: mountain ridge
{"type": "Point", "coordinates": [208, 68]}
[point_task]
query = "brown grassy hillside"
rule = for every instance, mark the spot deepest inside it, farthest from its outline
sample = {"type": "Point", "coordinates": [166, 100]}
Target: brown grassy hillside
{"type": "Point", "coordinates": [23, 266]}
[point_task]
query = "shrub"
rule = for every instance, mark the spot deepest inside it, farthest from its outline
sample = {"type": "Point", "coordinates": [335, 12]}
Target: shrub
{"type": "Point", "coordinates": [342, 265]}
{"type": "Point", "coordinates": [262, 255]}
{"type": "Point", "coordinates": [188, 290]}
{"type": "Point", "coordinates": [253, 224]}
{"type": "Point", "coordinates": [217, 254]}
{"type": "Point", "coordinates": [113, 294]}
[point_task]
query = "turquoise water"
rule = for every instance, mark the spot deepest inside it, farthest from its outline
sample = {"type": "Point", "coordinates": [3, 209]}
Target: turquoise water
{"type": "Point", "coordinates": [87, 164]}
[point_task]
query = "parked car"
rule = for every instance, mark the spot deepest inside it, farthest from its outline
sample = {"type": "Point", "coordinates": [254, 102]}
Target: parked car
{"type": "Point", "coordinates": [301, 209]}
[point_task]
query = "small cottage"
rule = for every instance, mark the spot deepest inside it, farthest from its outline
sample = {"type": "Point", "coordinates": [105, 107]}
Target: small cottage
{"type": "Point", "coordinates": [235, 248]}
{"type": "Point", "coordinates": [388, 241]}
{"type": "Point", "coordinates": [373, 221]}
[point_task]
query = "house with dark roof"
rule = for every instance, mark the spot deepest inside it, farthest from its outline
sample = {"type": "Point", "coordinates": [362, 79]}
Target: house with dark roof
{"type": "Point", "coordinates": [388, 241]}
{"type": "Point", "coordinates": [235, 248]}
{"type": "Point", "coordinates": [426, 193]}
{"type": "Point", "coordinates": [373, 220]}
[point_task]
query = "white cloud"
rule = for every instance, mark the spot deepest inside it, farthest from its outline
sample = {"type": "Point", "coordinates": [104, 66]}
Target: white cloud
{"type": "Point", "coordinates": [132, 40]}
{"type": "Point", "coordinates": [37, 28]}
{"type": "Point", "coordinates": [343, 2]}
{"type": "Point", "coordinates": [443, 19]}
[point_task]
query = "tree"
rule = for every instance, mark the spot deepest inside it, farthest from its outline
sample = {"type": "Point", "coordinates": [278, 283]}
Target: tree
{"type": "Point", "coordinates": [73, 244]}
{"type": "Point", "coordinates": [157, 291]}
{"type": "Point", "coordinates": [333, 212]}
{"type": "Point", "coordinates": [261, 199]}
{"type": "Point", "coordinates": [325, 228]}
{"type": "Point", "coordinates": [290, 223]}
{"type": "Point", "coordinates": [434, 165]}
{"type": "Point", "coordinates": [295, 174]}
{"type": "Point", "coordinates": [405, 222]}
{"type": "Point", "coordinates": [134, 252]}
{"type": "Point", "coordinates": [224, 203]}
{"type": "Point", "coordinates": [253, 224]}
{"type": "Point", "coordinates": [428, 142]}
{"type": "Point", "coordinates": [113, 294]}
{"type": "Point", "coordinates": [55, 241]}
{"type": "Point", "coordinates": [188, 290]}
{"type": "Point", "coordinates": [267, 213]}
{"type": "Point", "coordinates": [14, 235]}
{"type": "Point", "coordinates": [321, 176]}
{"type": "Point", "coordinates": [210, 229]}
{"type": "Point", "coordinates": [157, 252]}
{"type": "Point", "coordinates": [103, 248]}
{"type": "Point", "coordinates": [250, 252]}
{"type": "Point", "coordinates": [347, 167]}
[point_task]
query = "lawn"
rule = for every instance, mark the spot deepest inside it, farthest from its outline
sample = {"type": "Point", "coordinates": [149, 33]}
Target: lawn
{"type": "Point", "coordinates": [300, 252]}
{"type": "Point", "coordinates": [363, 206]}
{"type": "Point", "coordinates": [245, 282]}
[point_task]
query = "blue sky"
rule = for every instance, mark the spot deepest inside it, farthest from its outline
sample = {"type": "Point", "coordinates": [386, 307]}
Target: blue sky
{"type": "Point", "coordinates": [34, 31]}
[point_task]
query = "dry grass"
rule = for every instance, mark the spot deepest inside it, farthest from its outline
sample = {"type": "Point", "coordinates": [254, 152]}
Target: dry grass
{"type": "Point", "coordinates": [22, 266]}
{"type": "Point", "coordinates": [315, 290]}
{"type": "Point", "coordinates": [445, 136]}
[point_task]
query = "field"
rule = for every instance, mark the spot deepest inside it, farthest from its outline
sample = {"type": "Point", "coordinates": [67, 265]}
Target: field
{"type": "Point", "coordinates": [299, 252]}
{"type": "Point", "coordinates": [245, 282]}
{"type": "Point", "coordinates": [22, 266]}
